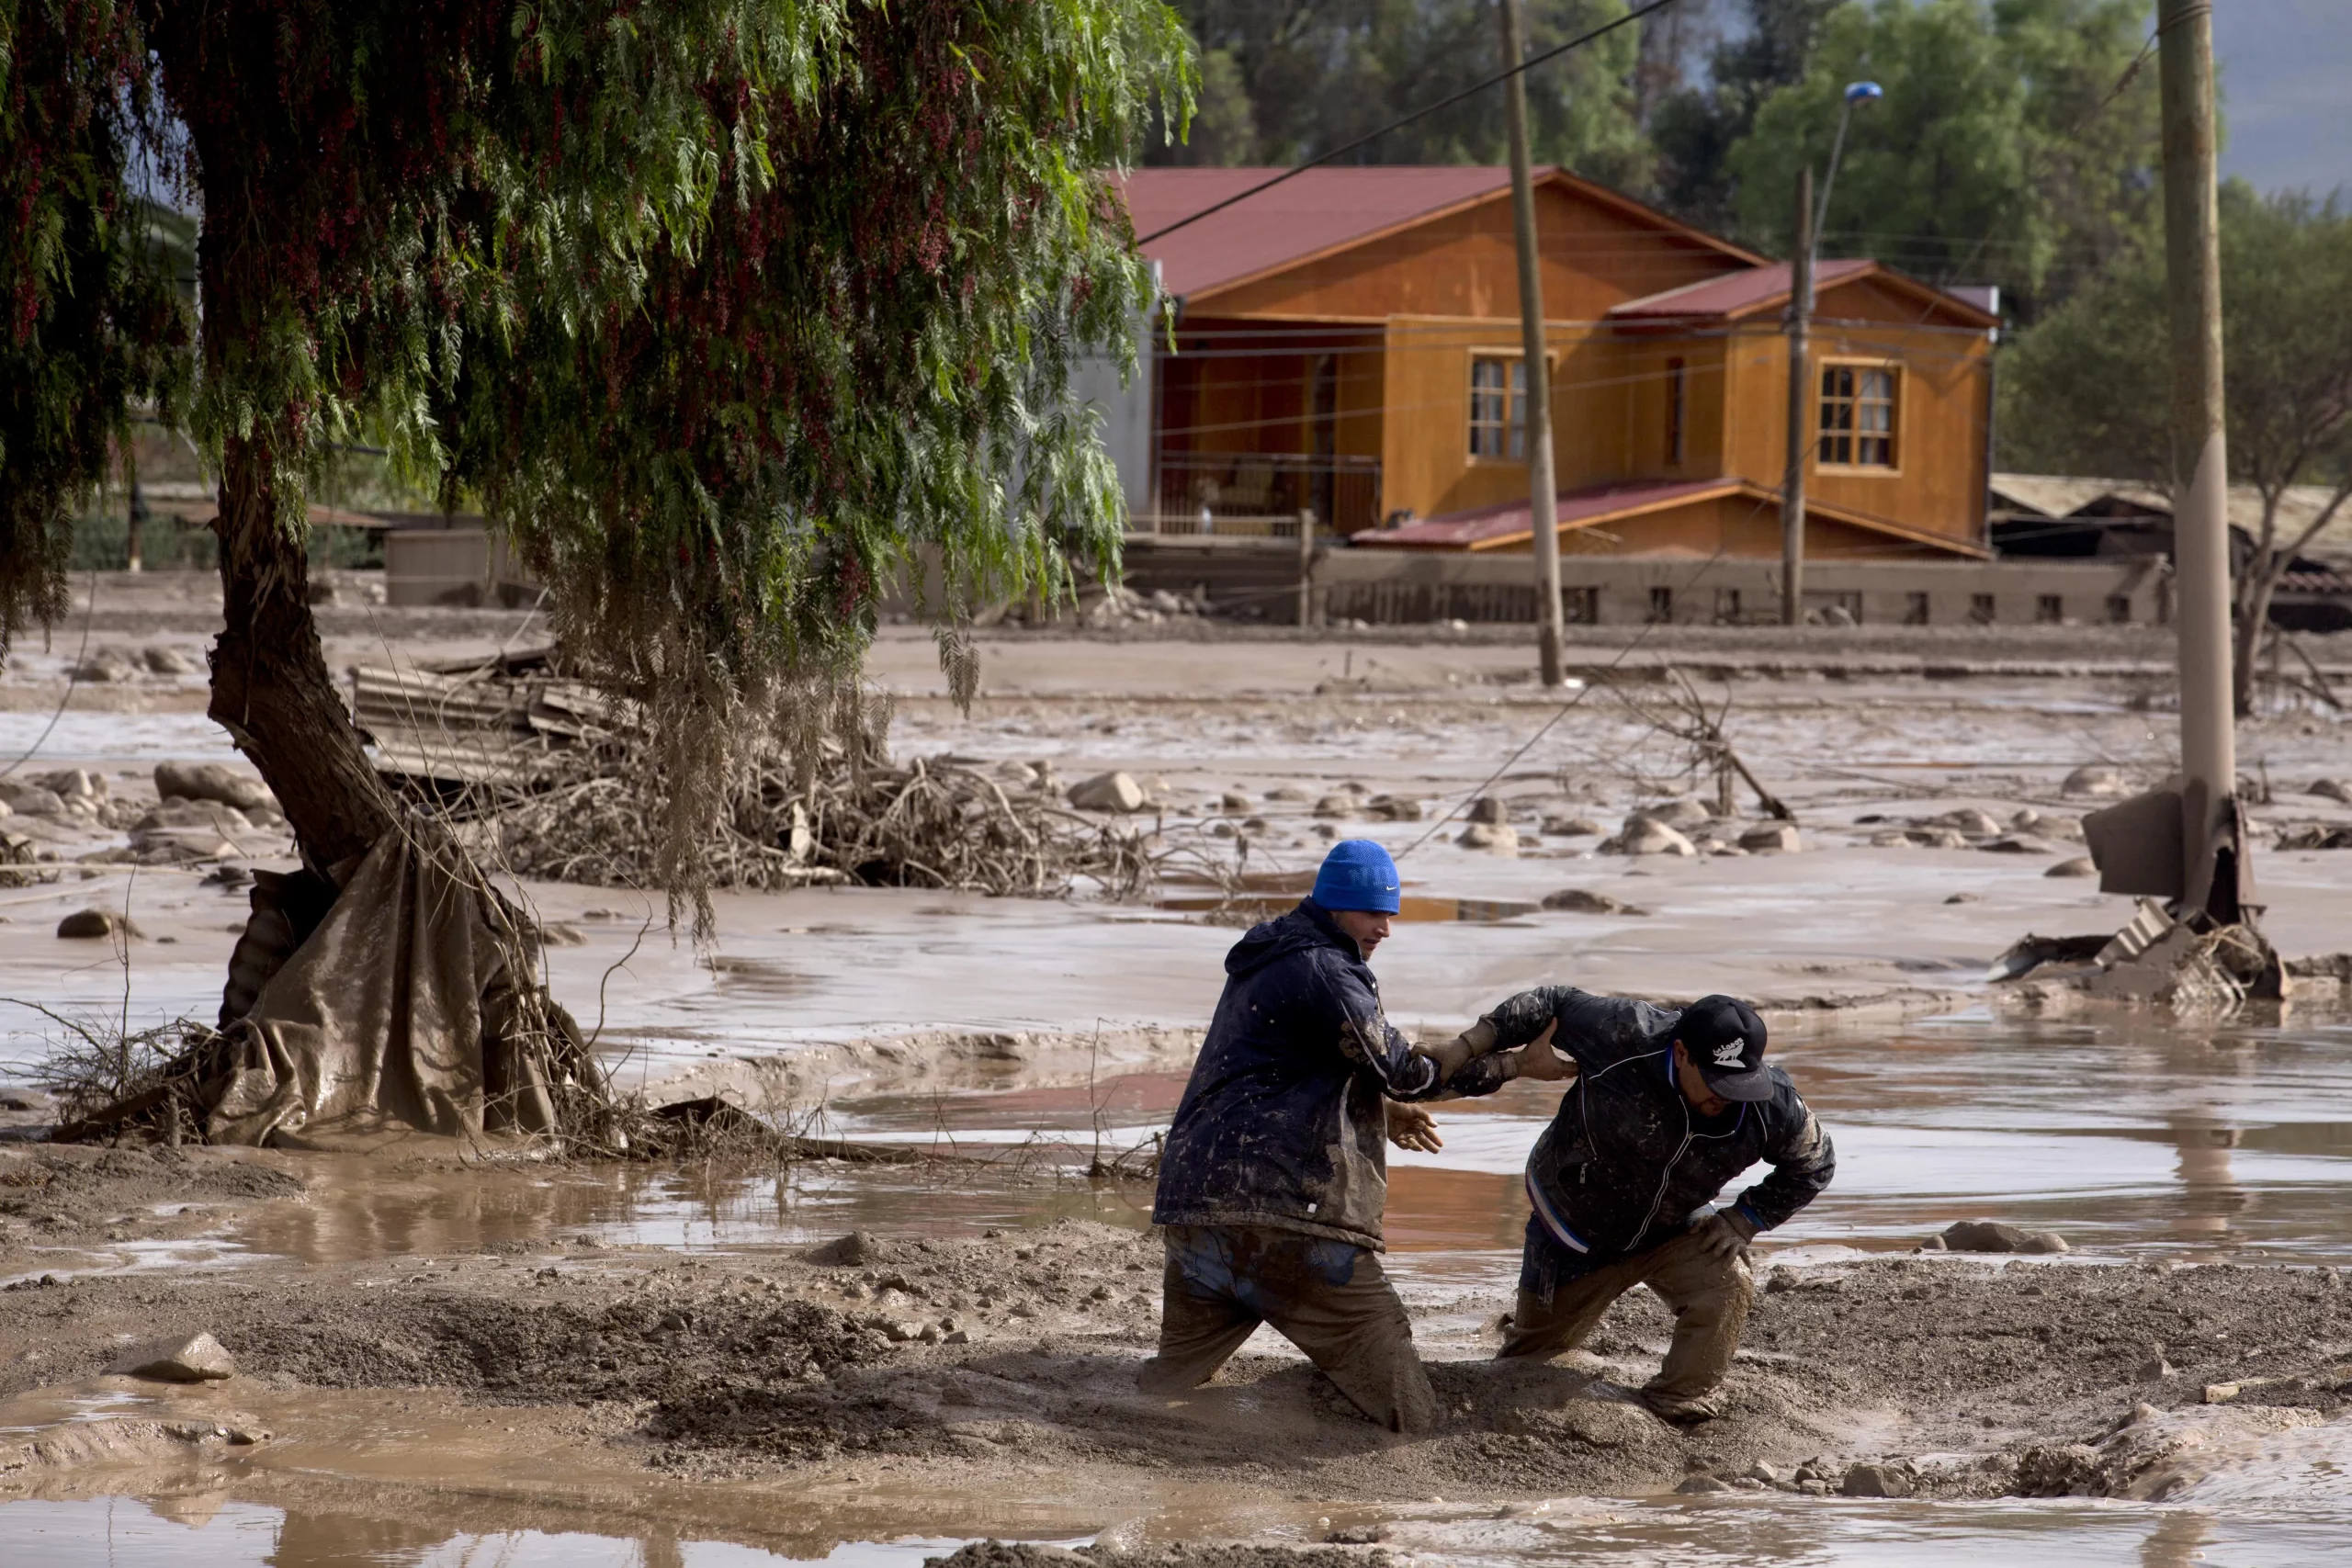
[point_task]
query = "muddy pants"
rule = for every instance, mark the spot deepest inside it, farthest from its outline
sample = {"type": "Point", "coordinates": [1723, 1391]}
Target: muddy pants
{"type": "Point", "coordinates": [1709, 1297]}
{"type": "Point", "coordinates": [1328, 1298]}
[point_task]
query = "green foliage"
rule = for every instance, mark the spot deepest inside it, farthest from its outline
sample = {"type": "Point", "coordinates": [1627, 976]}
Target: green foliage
{"type": "Point", "coordinates": [2003, 153]}
{"type": "Point", "coordinates": [725, 309]}
{"type": "Point", "coordinates": [1286, 81]}
{"type": "Point", "coordinates": [93, 321]}
{"type": "Point", "coordinates": [2085, 390]}
{"type": "Point", "coordinates": [1696, 128]}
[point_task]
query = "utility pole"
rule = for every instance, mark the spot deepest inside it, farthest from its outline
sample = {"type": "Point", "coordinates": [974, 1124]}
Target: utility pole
{"type": "Point", "coordinates": [2201, 463]}
{"type": "Point", "coordinates": [1542, 485]}
{"type": "Point", "coordinates": [1800, 409]}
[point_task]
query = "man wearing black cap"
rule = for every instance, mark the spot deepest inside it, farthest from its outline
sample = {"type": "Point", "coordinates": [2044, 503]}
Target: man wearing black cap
{"type": "Point", "coordinates": [1666, 1108]}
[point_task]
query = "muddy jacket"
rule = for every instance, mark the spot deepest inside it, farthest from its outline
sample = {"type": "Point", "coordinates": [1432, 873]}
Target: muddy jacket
{"type": "Point", "coordinates": [1281, 1124]}
{"type": "Point", "coordinates": [1624, 1162]}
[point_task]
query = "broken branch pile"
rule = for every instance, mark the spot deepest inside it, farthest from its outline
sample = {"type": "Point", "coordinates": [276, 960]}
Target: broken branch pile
{"type": "Point", "coordinates": [561, 780]}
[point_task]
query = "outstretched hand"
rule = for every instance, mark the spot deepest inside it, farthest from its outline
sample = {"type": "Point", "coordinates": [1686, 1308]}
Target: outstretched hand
{"type": "Point", "coordinates": [1410, 1127]}
{"type": "Point", "coordinates": [1539, 1061]}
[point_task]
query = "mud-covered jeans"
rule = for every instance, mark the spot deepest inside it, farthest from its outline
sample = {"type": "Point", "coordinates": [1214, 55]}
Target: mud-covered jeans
{"type": "Point", "coordinates": [1329, 1299]}
{"type": "Point", "coordinates": [1709, 1298]}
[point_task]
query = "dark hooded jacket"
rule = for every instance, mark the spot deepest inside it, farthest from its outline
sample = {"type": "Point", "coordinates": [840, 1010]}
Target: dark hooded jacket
{"type": "Point", "coordinates": [1281, 1124]}
{"type": "Point", "coordinates": [1624, 1161]}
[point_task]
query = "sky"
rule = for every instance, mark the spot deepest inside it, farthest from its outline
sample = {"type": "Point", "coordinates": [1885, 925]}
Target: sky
{"type": "Point", "coordinates": [2286, 92]}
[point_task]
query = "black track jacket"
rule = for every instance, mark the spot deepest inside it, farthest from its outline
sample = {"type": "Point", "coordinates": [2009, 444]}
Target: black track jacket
{"type": "Point", "coordinates": [1623, 1163]}
{"type": "Point", "coordinates": [1281, 1123]}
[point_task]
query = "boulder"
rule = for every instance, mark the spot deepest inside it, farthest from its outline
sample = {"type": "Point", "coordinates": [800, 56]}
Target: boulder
{"type": "Point", "coordinates": [847, 1251]}
{"type": "Point", "coordinates": [1113, 791]}
{"type": "Point", "coordinates": [2016, 844]}
{"type": "Point", "coordinates": [1286, 791]}
{"type": "Point", "coordinates": [71, 784]}
{"type": "Point", "coordinates": [1969, 819]}
{"type": "Point", "coordinates": [162, 660]}
{"type": "Point", "coordinates": [2079, 865]}
{"type": "Point", "coordinates": [1571, 826]}
{"type": "Point", "coordinates": [104, 667]}
{"type": "Point", "coordinates": [1871, 1479]}
{"type": "Point", "coordinates": [1772, 839]}
{"type": "Point", "coordinates": [31, 799]}
{"type": "Point", "coordinates": [2096, 780]}
{"type": "Point", "coordinates": [1336, 805]}
{"type": "Point", "coordinates": [86, 924]}
{"type": "Point", "coordinates": [213, 781]}
{"type": "Point", "coordinates": [1394, 809]}
{"type": "Point", "coordinates": [181, 812]}
{"type": "Point", "coordinates": [1584, 901]}
{"type": "Point", "coordinates": [1018, 775]}
{"type": "Point", "coordinates": [1233, 802]}
{"type": "Point", "coordinates": [2333, 789]}
{"type": "Point", "coordinates": [1492, 837]}
{"type": "Point", "coordinates": [184, 1358]}
{"type": "Point", "coordinates": [1682, 811]}
{"type": "Point", "coordinates": [1644, 836]}
{"type": "Point", "coordinates": [1485, 808]}
{"type": "Point", "coordinates": [1935, 838]}
{"type": "Point", "coordinates": [1986, 1235]}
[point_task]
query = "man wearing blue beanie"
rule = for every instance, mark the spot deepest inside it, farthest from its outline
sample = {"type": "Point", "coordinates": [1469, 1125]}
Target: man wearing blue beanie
{"type": "Point", "coordinates": [1273, 1179]}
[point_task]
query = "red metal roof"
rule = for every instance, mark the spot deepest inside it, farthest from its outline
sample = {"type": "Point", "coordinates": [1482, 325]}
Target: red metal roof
{"type": "Point", "coordinates": [1302, 216]}
{"type": "Point", "coordinates": [1515, 520]}
{"type": "Point", "coordinates": [1735, 293]}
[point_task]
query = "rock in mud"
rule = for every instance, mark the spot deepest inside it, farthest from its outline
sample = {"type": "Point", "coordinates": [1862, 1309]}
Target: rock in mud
{"type": "Point", "coordinates": [1286, 791]}
{"type": "Point", "coordinates": [213, 781]}
{"type": "Point", "coordinates": [1394, 809]}
{"type": "Point", "coordinates": [1968, 819]}
{"type": "Point", "coordinates": [162, 660]}
{"type": "Point", "coordinates": [2016, 844]}
{"type": "Point", "coordinates": [848, 1251]}
{"type": "Point", "coordinates": [2096, 780]}
{"type": "Point", "coordinates": [1113, 791]}
{"type": "Point", "coordinates": [186, 1358]}
{"type": "Point", "coordinates": [1584, 901]}
{"type": "Point", "coordinates": [1986, 1235]}
{"type": "Point", "coordinates": [1932, 837]}
{"type": "Point", "coordinates": [1871, 1479]}
{"type": "Point", "coordinates": [2058, 1469]}
{"type": "Point", "coordinates": [1571, 826]}
{"type": "Point", "coordinates": [1644, 835]}
{"type": "Point", "coordinates": [1234, 802]}
{"type": "Point", "coordinates": [1485, 808]}
{"type": "Point", "coordinates": [2079, 865]}
{"type": "Point", "coordinates": [1491, 838]}
{"type": "Point", "coordinates": [1772, 839]}
{"type": "Point", "coordinates": [1682, 811]}
{"type": "Point", "coordinates": [84, 924]}
{"type": "Point", "coordinates": [32, 800]}
{"type": "Point", "coordinates": [2331, 789]}
{"type": "Point", "coordinates": [1336, 805]}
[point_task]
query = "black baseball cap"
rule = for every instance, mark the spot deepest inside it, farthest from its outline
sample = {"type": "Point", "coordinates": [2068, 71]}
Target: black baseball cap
{"type": "Point", "coordinates": [1725, 1040]}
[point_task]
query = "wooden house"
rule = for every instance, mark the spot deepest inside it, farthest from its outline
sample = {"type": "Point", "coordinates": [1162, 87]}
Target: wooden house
{"type": "Point", "coordinates": [1348, 343]}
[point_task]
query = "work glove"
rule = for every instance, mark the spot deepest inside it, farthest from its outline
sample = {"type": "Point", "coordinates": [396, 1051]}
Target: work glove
{"type": "Point", "coordinates": [1723, 1235]}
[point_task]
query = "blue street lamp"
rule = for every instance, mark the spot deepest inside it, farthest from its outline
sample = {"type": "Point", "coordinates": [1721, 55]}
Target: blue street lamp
{"type": "Point", "coordinates": [1856, 93]}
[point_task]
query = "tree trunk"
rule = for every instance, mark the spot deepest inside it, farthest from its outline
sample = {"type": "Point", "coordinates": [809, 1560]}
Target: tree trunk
{"type": "Point", "coordinates": [2263, 570]}
{"type": "Point", "coordinates": [271, 689]}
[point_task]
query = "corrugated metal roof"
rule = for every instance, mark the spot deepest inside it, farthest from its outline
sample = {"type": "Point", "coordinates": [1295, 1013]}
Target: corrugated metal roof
{"type": "Point", "coordinates": [1515, 519]}
{"type": "Point", "coordinates": [1734, 293]}
{"type": "Point", "coordinates": [2063, 495]}
{"type": "Point", "coordinates": [1299, 218]}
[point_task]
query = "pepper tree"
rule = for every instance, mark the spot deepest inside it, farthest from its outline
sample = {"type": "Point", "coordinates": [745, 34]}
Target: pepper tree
{"type": "Point", "coordinates": [724, 311]}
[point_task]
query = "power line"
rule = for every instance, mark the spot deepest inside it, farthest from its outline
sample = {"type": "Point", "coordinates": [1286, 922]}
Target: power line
{"type": "Point", "coordinates": [1422, 113]}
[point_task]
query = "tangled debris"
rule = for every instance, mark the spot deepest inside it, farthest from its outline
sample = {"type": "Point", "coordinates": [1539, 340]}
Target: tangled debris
{"type": "Point", "coordinates": [558, 781]}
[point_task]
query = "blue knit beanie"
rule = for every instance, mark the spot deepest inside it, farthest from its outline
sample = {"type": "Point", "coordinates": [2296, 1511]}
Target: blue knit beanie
{"type": "Point", "coordinates": [1357, 875]}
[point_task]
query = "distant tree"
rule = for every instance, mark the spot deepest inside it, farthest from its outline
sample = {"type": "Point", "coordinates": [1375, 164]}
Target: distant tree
{"type": "Point", "coordinates": [1696, 126]}
{"type": "Point", "coordinates": [2015, 144]}
{"type": "Point", "coordinates": [2084, 390]}
{"type": "Point", "coordinates": [1315, 74]}
{"type": "Point", "coordinates": [720, 308]}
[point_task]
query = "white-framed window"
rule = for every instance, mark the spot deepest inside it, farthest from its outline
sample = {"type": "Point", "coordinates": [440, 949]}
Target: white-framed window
{"type": "Point", "coordinates": [1499, 407]}
{"type": "Point", "coordinates": [1858, 415]}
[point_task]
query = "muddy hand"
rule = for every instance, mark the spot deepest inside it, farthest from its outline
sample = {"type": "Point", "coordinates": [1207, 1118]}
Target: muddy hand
{"type": "Point", "coordinates": [1539, 1061]}
{"type": "Point", "coordinates": [1725, 1233]}
{"type": "Point", "coordinates": [1410, 1127]}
